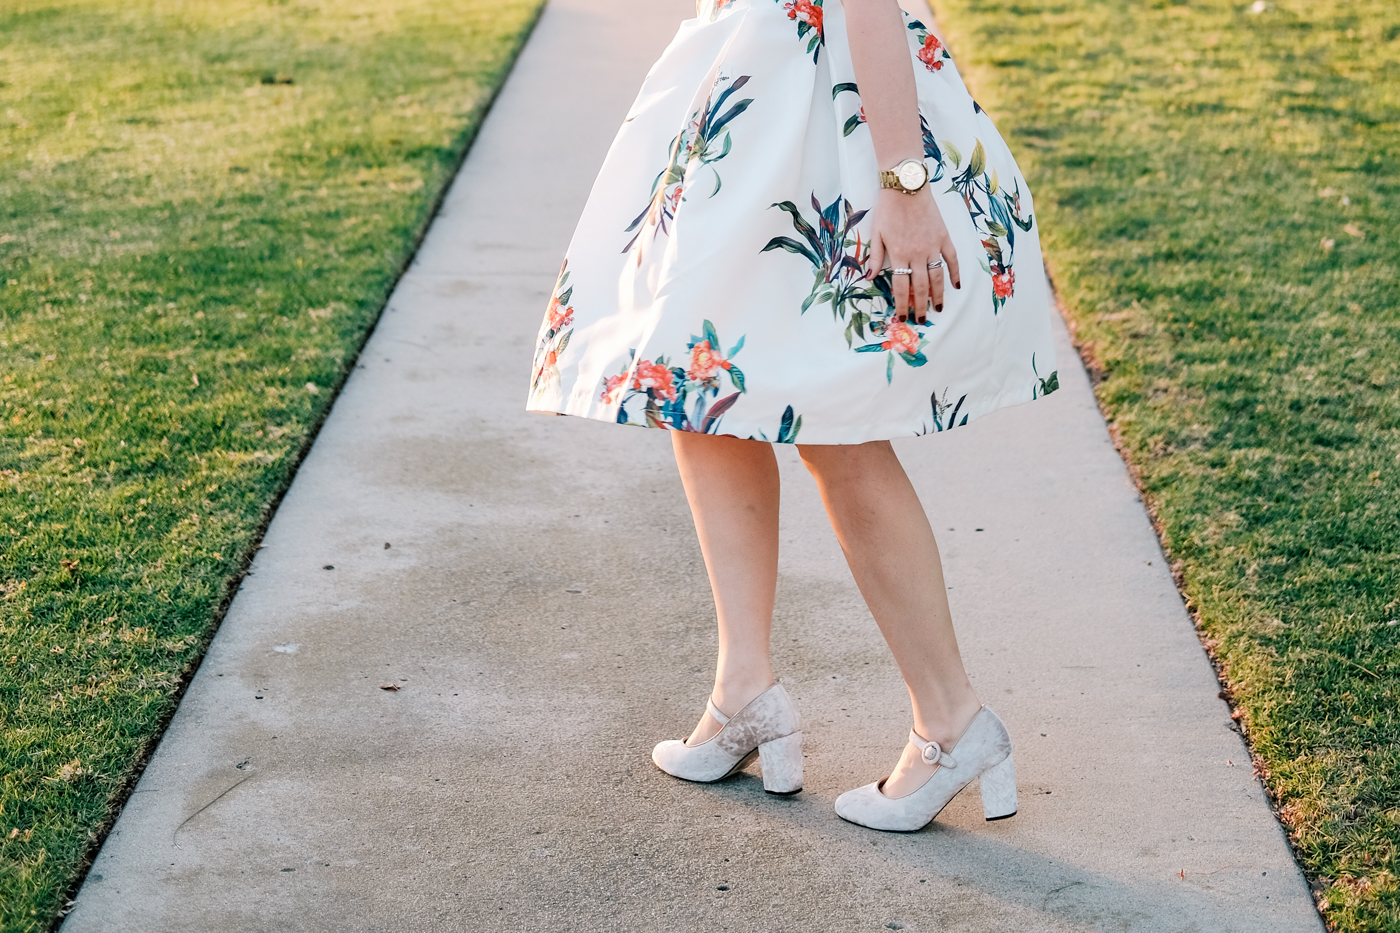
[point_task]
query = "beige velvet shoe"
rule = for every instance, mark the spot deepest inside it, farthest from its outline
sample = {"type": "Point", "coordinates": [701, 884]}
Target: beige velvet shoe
{"type": "Point", "coordinates": [768, 727]}
{"type": "Point", "coordinates": [983, 754]}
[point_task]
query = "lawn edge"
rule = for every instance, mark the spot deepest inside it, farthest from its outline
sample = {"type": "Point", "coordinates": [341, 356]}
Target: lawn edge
{"type": "Point", "coordinates": [232, 584]}
{"type": "Point", "coordinates": [1097, 374]}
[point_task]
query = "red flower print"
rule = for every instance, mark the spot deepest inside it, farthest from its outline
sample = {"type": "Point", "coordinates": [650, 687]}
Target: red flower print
{"type": "Point", "coordinates": [705, 361]}
{"type": "Point", "coordinates": [558, 320]}
{"type": "Point", "coordinates": [656, 377]}
{"type": "Point", "coordinates": [612, 387]}
{"type": "Point", "coordinates": [901, 338]}
{"type": "Point", "coordinates": [805, 11]}
{"type": "Point", "coordinates": [1004, 283]}
{"type": "Point", "coordinates": [674, 199]}
{"type": "Point", "coordinates": [931, 52]}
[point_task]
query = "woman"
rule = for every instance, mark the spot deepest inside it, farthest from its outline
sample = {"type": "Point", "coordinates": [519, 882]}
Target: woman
{"type": "Point", "coordinates": [807, 232]}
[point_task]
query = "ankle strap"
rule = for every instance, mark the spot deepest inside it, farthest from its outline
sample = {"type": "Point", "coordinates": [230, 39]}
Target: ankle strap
{"type": "Point", "coordinates": [933, 753]}
{"type": "Point", "coordinates": [714, 712]}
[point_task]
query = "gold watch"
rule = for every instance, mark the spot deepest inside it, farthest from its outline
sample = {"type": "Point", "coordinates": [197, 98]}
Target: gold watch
{"type": "Point", "coordinates": [909, 176]}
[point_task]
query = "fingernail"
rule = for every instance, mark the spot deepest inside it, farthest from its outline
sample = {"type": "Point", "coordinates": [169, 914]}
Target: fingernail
{"type": "Point", "coordinates": [957, 285]}
{"type": "Point", "coordinates": [938, 307]}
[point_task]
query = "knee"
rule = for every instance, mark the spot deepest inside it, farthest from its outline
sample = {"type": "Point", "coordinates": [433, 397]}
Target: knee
{"type": "Point", "coordinates": [834, 463]}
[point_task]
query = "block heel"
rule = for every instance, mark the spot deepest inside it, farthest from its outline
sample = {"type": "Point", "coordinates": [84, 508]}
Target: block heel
{"type": "Point", "coordinates": [984, 752]}
{"type": "Point", "coordinates": [768, 727]}
{"type": "Point", "coordinates": [781, 761]}
{"type": "Point", "coordinates": [998, 784]}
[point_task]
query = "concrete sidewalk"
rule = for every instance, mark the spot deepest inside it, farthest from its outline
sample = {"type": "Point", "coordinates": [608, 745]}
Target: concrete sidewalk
{"type": "Point", "coordinates": [533, 588]}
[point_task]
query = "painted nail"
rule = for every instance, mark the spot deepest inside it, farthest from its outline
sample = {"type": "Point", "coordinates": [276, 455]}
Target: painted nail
{"type": "Point", "coordinates": [957, 285]}
{"type": "Point", "coordinates": [938, 307]}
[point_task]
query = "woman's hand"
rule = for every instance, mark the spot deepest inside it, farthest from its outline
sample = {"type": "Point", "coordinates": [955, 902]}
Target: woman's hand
{"type": "Point", "coordinates": [907, 232]}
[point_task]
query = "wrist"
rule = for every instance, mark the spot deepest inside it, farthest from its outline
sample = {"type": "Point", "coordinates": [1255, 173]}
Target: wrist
{"type": "Point", "coordinates": [909, 176]}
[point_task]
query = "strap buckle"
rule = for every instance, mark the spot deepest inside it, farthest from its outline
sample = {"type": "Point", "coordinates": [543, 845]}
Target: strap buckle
{"type": "Point", "coordinates": [932, 752]}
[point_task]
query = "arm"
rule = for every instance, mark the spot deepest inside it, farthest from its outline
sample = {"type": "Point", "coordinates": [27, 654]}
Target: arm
{"type": "Point", "coordinates": [907, 231]}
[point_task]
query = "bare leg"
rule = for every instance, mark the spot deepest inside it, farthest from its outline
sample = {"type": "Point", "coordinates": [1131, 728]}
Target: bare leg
{"type": "Point", "coordinates": [890, 548]}
{"type": "Point", "coordinates": [732, 487]}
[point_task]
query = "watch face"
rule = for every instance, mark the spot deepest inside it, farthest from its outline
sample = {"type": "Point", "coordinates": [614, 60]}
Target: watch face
{"type": "Point", "coordinates": [912, 174]}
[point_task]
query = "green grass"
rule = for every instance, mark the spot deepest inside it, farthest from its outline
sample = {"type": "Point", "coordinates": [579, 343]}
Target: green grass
{"type": "Point", "coordinates": [203, 205]}
{"type": "Point", "coordinates": [1219, 192]}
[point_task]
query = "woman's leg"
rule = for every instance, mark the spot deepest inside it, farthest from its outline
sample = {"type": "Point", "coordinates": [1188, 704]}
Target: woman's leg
{"type": "Point", "coordinates": [890, 548]}
{"type": "Point", "coordinates": [732, 487]}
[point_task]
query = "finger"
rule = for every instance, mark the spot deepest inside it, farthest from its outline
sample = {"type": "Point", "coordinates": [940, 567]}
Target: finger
{"type": "Point", "coordinates": [936, 288]}
{"type": "Point", "coordinates": [900, 281]}
{"type": "Point", "coordinates": [950, 256]}
{"type": "Point", "coordinates": [921, 293]}
{"type": "Point", "coordinates": [877, 257]}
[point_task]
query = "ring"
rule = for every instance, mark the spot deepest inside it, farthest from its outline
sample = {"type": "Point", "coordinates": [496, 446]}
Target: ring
{"type": "Point", "coordinates": [936, 264]}
{"type": "Point", "coordinates": [902, 271]}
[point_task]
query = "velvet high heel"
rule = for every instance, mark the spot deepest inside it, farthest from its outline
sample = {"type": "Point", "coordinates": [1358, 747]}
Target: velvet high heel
{"type": "Point", "coordinates": [768, 727]}
{"type": "Point", "coordinates": [982, 754]}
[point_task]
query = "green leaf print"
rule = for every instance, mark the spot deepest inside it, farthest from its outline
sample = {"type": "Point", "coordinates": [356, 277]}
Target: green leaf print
{"type": "Point", "coordinates": [943, 419]}
{"type": "Point", "coordinates": [838, 256]}
{"type": "Point", "coordinates": [704, 140]}
{"type": "Point", "coordinates": [1045, 384]}
{"type": "Point", "coordinates": [788, 428]}
{"type": "Point", "coordinates": [553, 337]}
{"type": "Point", "coordinates": [996, 214]}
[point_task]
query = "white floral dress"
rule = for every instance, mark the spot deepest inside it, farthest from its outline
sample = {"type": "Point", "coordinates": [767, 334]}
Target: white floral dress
{"type": "Point", "coordinates": [718, 280]}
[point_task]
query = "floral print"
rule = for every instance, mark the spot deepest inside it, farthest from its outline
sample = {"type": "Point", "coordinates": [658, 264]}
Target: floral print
{"type": "Point", "coordinates": [943, 418]}
{"type": "Point", "coordinates": [733, 178]}
{"type": "Point", "coordinates": [788, 427]}
{"type": "Point", "coordinates": [901, 338]}
{"type": "Point", "coordinates": [858, 117]}
{"type": "Point", "coordinates": [676, 397]}
{"type": "Point", "coordinates": [931, 151]}
{"type": "Point", "coordinates": [865, 301]}
{"type": "Point", "coordinates": [1044, 384]}
{"type": "Point", "coordinates": [834, 248]}
{"type": "Point", "coordinates": [808, 14]}
{"type": "Point", "coordinates": [704, 140]}
{"type": "Point", "coordinates": [996, 213]}
{"type": "Point", "coordinates": [931, 52]}
{"type": "Point", "coordinates": [553, 337]}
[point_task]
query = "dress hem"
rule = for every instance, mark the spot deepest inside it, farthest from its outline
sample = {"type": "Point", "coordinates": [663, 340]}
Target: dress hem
{"type": "Point", "coordinates": [864, 435]}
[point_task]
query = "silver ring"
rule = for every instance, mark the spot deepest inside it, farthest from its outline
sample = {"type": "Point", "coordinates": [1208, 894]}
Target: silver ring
{"type": "Point", "coordinates": [902, 271]}
{"type": "Point", "coordinates": [936, 264]}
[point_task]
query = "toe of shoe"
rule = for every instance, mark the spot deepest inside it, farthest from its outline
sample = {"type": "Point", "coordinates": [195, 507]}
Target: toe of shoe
{"type": "Point", "coordinates": [855, 805]}
{"type": "Point", "coordinates": [668, 754]}
{"type": "Point", "coordinates": [866, 806]}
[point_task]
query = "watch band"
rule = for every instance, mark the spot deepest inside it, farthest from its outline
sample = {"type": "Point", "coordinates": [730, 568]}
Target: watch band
{"type": "Point", "coordinates": [891, 179]}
